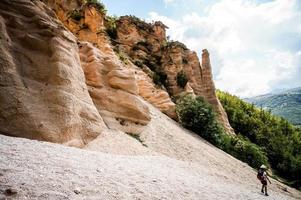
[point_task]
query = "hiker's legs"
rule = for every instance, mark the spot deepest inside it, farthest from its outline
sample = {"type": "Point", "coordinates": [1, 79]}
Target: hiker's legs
{"type": "Point", "coordinates": [266, 190]}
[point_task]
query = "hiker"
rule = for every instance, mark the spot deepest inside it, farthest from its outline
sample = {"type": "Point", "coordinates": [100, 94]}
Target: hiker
{"type": "Point", "coordinates": [263, 177]}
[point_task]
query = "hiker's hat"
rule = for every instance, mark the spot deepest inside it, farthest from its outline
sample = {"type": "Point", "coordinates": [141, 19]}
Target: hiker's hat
{"type": "Point", "coordinates": [263, 167]}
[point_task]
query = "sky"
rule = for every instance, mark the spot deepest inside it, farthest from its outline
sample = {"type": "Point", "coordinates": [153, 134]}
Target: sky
{"type": "Point", "coordinates": [254, 45]}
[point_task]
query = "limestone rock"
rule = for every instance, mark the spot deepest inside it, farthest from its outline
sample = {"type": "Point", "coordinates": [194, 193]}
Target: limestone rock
{"type": "Point", "coordinates": [124, 80]}
{"type": "Point", "coordinates": [43, 93]}
{"type": "Point", "coordinates": [156, 96]}
{"type": "Point", "coordinates": [132, 31]}
{"type": "Point", "coordinates": [114, 91]}
{"type": "Point", "coordinates": [112, 86]}
{"type": "Point", "coordinates": [209, 91]}
{"type": "Point", "coordinates": [146, 44]}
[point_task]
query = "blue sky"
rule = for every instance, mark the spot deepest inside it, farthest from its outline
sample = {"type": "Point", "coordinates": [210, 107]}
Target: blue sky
{"type": "Point", "coordinates": [255, 45]}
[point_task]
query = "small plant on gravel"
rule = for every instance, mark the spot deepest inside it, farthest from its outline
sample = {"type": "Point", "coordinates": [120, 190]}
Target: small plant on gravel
{"type": "Point", "coordinates": [137, 137]}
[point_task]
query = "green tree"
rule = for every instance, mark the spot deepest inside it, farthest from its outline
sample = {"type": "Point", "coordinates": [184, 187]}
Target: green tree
{"type": "Point", "coordinates": [197, 115]}
{"type": "Point", "coordinates": [279, 139]}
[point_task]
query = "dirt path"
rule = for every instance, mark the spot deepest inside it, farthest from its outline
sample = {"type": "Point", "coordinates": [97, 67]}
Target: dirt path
{"type": "Point", "coordinates": [40, 170]}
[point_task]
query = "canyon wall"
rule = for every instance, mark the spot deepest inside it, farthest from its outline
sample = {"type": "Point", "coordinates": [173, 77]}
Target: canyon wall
{"type": "Point", "coordinates": [65, 79]}
{"type": "Point", "coordinates": [43, 92]}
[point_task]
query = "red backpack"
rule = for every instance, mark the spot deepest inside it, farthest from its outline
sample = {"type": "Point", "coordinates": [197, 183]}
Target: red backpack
{"type": "Point", "coordinates": [260, 175]}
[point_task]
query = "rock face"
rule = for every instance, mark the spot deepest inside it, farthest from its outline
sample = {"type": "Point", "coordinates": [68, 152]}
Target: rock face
{"type": "Point", "coordinates": [155, 95]}
{"type": "Point", "coordinates": [112, 86]}
{"type": "Point", "coordinates": [147, 46]}
{"type": "Point", "coordinates": [114, 90]}
{"type": "Point", "coordinates": [43, 92]}
{"type": "Point", "coordinates": [208, 91]}
{"type": "Point", "coordinates": [68, 85]}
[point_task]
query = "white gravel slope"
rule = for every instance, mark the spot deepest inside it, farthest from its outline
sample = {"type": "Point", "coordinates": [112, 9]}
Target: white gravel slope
{"type": "Point", "coordinates": [40, 170]}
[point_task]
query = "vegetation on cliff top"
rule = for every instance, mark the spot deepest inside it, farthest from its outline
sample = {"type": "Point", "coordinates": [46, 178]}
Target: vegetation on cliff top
{"type": "Point", "coordinates": [76, 14]}
{"type": "Point", "coordinates": [276, 136]}
{"type": "Point", "coordinates": [111, 26]}
{"type": "Point", "coordinates": [97, 4]}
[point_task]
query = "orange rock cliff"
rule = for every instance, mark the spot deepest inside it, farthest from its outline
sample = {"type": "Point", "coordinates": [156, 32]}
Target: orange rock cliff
{"type": "Point", "coordinates": [65, 78]}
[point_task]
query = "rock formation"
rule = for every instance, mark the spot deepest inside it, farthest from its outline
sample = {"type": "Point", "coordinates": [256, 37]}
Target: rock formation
{"type": "Point", "coordinates": [68, 85]}
{"type": "Point", "coordinates": [114, 90]}
{"type": "Point", "coordinates": [112, 86]}
{"type": "Point", "coordinates": [64, 80]}
{"type": "Point", "coordinates": [147, 46]}
{"type": "Point", "coordinates": [91, 27]}
{"type": "Point", "coordinates": [43, 93]}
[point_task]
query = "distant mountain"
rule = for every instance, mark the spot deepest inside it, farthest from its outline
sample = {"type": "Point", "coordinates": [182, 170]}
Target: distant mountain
{"type": "Point", "coordinates": [286, 104]}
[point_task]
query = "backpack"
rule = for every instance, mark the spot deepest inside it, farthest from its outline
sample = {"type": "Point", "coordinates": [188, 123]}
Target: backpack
{"type": "Point", "coordinates": [260, 175]}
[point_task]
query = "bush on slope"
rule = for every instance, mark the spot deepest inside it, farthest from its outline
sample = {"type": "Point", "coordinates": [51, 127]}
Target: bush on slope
{"type": "Point", "coordinates": [197, 115]}
{"type": "Point", "coordinates": [279, 139]}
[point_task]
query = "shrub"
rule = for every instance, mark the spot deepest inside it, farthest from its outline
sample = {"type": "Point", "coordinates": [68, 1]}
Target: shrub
{"type": "Point", "coordinates": [142, 45]}
{"type": "Point", "coordinates": [75, 14]}
{"type": "Point", "coordinates": [123, 58]}
{"type": "Point", "coordinates": [277, 137]}
{"type": "Point", "coordinates": [182, 79]}
{"type": "Point", "coordinates": [138, 63]}
{"type": "Point", "coordinates": [141, 24]}
{"type": "Point", "coordinates": [156, 78]}
{"type": "Point", "coordinates": [175, 44]}
{"type": "Point", "coordinates": [160, 78]}
{"type": "Point", "coordinates": [198, 116]}
{"type": "Point", "coordinates": [99, 6]}
{"type": "Point", "coordinates": [244, 150]}
{"type": "Point", "coordinates": [151, 65]}
{"type": "Point", "coordinates": [184, 61]}
{"type": "Point", "coordinates": [111, 27]}
{"type": "Point", "coordinates": [92, 1]}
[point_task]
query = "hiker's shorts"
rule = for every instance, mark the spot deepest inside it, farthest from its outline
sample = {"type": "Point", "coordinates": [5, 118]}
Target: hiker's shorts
{"type": "Point", "coordinates": [264, 182]}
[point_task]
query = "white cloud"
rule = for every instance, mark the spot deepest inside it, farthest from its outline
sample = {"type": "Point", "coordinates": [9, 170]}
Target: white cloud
{"type": "Point", "coordinates": [168, 1]}
{"type": "Point", "coordinates": [253, 46]}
